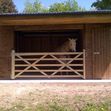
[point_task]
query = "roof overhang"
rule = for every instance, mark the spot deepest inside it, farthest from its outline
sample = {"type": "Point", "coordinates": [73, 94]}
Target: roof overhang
{"type": "Point", "coordinates": [54, 18]}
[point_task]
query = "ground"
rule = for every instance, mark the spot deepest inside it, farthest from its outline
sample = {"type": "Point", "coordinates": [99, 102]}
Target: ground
{"type": "Point", "coordinates": [25, 95]}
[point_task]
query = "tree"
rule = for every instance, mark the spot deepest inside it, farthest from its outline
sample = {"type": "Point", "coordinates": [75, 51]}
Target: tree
{"type": "Point", "coordinates": [69, 5]}
{"type": "Point", "coordinates": [36, 6]}
{"type": "Point", "coordinates": [102, 4]}
{"type": "Point", "coordinates": [7, 6]}
{"type": "Point", "coordinates": [57, 7]}
{"type": "Point", "coordinates": [28, 7]}
{"type": "Point", "coordinates": [72, 5]}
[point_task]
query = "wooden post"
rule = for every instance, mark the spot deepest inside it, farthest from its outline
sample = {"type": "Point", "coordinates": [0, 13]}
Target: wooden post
{"type": "Point", "coordinates": [84, 60]}
{"type": "Point", "coordinates": [13, 65]}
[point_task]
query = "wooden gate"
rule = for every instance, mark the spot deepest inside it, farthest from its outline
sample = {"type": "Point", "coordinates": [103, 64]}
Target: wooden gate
{"type": "Point", "coordinates": [48, 65]}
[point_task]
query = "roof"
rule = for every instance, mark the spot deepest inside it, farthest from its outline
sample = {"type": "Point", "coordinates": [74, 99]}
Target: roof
{"type": "Point", "coordinates": [59, 13]}
{"type": "Point", "coordinates": [77, 17]}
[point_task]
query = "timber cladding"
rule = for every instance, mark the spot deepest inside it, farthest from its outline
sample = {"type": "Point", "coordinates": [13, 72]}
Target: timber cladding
{"type": "Point", "coordinates": [98, 47]}
{"type": "Point", "coordinates": [6, 45]}
{"type": "Point", "coordinates": [51, 20]}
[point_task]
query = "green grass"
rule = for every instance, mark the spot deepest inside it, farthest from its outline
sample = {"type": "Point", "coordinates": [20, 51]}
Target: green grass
{"type": "Point", "coordinates": [95, 107]}
{"type": "Point", "coordinates": [104, 105]}
{"type": "Point", "coordinates": [51, 107]}
{"type": "Point", "coordinates": [56, 107]}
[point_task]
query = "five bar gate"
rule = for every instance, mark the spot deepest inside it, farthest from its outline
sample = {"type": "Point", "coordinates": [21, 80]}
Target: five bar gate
{"type": "Point", "coordinates": [48, 65]}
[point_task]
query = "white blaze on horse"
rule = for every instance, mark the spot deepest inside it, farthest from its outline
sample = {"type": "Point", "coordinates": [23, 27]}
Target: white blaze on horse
{"type": "Point", "coordinates": [69, 45]}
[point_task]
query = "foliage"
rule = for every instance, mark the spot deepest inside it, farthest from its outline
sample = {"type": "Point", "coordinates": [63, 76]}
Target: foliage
{"type": "Point", "coordinates": [68, 5]}
{"type": "Point", "coordinates": [57, 7]}
{"type": "Point", "coordinates": [73, 5]}
{"type": "Point", "coordinates": [36, 6]}
{"type": "Point", "coordinates": [102, 4]}
{"type": "Point", "coordinates": [7, 6]}
{"type": "Point", "coordinates": [28, 7]}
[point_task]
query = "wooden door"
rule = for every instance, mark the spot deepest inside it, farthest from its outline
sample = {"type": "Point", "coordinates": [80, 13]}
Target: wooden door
{"type": "Point", "coordinates": [101, 46]}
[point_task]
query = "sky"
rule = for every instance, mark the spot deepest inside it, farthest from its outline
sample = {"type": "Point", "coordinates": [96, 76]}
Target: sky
{"type": "Point", "coordinates": [83, 3]}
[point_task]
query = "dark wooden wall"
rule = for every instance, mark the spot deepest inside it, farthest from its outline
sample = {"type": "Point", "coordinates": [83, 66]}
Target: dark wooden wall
{"type": "Point", "coordinates": [6, 46]}
{"type": "Point", "coordinates": [98, 51]}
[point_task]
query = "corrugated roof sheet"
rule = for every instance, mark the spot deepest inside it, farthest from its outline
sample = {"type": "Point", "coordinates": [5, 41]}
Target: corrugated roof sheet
{"type": "Point", "coordinates": [59, 13]}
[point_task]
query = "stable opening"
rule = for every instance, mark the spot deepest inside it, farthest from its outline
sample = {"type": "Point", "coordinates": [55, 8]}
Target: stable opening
{"type": "Point", "coordinates": [46, 41]}
{"type": "Point", "coordinates": [44, 60]}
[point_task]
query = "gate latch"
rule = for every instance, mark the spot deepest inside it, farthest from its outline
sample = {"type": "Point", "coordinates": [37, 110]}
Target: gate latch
{"type": "Point", "coordinates": [96, 53]}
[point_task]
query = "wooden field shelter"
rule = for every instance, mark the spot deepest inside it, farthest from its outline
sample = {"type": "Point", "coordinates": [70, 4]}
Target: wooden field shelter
{"type": "Point", "coordinates": [28, 43]}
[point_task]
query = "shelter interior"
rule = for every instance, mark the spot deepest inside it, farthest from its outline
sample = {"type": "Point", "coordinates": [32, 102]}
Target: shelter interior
{"type": "Point", "coordinates": [45, 41]}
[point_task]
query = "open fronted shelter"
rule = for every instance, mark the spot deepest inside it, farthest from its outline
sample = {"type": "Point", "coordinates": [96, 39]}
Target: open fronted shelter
{"type": "Point", "coordinates": [28, 44]}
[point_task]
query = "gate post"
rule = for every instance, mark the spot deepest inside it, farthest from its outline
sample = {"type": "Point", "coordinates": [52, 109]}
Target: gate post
{"type": "Point", "coordinates": [13, 64]}
{"type": "Point", "coordinates": [84, 67]}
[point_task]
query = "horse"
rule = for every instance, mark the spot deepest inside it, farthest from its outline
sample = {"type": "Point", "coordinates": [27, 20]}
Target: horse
{"type": "Point", "coordinates": [67, 46]}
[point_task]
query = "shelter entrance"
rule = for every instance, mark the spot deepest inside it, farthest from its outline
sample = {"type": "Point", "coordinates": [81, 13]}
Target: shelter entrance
{"type": "Point", "coordinates": [46, 41]}
{"type": "Point", "coordinates": [35, 55]}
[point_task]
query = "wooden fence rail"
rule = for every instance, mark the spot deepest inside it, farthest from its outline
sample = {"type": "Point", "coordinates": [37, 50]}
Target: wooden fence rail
{"type": "Point", "coordinates": [48, 65]}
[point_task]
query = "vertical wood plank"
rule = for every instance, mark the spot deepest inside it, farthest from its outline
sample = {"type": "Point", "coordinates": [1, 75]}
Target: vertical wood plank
{"type": "Point", "coordinates": [88, 48]}
{"type": "Point", "coordinates": [13, 65]}
{"type": "Point", "coordinates": [84, 63]}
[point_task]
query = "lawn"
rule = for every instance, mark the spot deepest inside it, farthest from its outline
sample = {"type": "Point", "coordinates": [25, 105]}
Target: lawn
{"type": "Point", "coordinates": [55, 97]}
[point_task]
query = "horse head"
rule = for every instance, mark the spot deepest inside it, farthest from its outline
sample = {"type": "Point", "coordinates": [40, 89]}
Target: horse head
{"type": "Point", "coordinates": [72, 44]}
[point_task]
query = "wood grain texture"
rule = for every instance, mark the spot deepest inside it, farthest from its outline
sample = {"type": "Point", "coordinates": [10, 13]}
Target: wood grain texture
{"type": "Point", "coordinates": [74, 67]}
{"type": "Point", "coordinates": [54, 20]}
{"type": "Point", "coordinates": [99, 50]}
{"type": "Point", "coordinates": [6, 45]}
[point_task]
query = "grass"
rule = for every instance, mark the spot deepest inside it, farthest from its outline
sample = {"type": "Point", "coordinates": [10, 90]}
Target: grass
{"type": "Point", "coordinates": [55, 106]}
{"type": "Point", "coordinates": [95, 107]}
